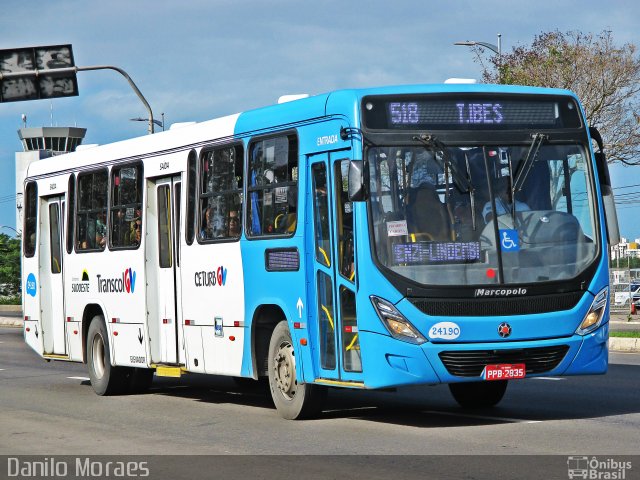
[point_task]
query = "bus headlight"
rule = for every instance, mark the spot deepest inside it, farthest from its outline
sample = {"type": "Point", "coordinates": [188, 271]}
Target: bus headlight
{"type": "Point", "coordinates": [594, 317]}
{"type": "Point", "coordinates": [399, 327]}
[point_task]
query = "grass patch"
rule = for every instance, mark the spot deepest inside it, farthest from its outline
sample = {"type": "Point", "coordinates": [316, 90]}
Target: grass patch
{"type": "Point", "coordinates": [626, 334]}
{"type": "Point", "coordinates": [11, 300]}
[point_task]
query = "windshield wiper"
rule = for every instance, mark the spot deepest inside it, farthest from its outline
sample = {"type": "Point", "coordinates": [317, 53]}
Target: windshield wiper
{"type": "Point", "coordinates": [431, 142]}
{"type": "Point", "coordinates": [527, 163]}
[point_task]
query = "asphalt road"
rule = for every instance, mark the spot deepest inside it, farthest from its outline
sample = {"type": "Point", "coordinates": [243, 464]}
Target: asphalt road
{"type": "Point", "coordinates": [51, 409]}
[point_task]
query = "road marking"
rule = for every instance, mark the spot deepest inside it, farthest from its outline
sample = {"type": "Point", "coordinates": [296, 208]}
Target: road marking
{"type": "Point", "coordinates": [79, 378]}
{"type": "Point", "coordinates": [1, 369]}
{"type": "Point", "coordinates": [547, 378]}
{"type": "Point", "coordinates": [482, 417]}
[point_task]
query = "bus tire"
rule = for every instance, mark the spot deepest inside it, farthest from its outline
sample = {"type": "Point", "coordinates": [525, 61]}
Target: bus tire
{"type": "Point", "coordinates": [293, 400]}
{"type": "Point", "coordinates": [478, 394]}
{"type": "Point", "coordinates": [105, 379]}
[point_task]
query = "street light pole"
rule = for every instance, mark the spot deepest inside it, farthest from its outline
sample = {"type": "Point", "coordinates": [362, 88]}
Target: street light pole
{"type": "Point", "coordinates": [497, 49]}
{"type": "Point", "coordinates": [96, 67]}
{"type": "Point", "coordinates": [156, 122]}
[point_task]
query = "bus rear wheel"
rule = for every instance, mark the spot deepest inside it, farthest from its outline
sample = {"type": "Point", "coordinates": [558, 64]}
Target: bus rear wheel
{"type": "Point", "coordinates": [293, 400]}
{"type": "Point", "coordinates": [105, 379]}
{"type": "Point", "coordinates": [478, 394]}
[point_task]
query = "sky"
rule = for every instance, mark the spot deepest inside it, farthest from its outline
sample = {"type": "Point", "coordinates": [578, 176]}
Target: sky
{"type": "Point", "coordinates": [199, 59]}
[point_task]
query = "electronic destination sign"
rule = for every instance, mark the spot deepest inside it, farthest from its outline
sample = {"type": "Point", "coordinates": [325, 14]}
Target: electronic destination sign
{"type": "Point", "coordinates": [469, 112]}
{"type": "Point", "coordinates": [425, 253]}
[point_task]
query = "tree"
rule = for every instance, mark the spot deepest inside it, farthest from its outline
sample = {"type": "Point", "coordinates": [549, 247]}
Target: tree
{"type": "Point", "coordinates": [9, 265]}
{"type": "Point", "coordinates": [605, 77]}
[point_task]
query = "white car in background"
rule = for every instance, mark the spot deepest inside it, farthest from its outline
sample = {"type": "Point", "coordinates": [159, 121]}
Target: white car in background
{"type": "Point", "coordinates": [622, 292]}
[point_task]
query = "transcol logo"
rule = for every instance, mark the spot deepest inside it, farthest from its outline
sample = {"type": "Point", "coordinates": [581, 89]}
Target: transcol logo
{"type": "Point", "coordinates": [125, 283]}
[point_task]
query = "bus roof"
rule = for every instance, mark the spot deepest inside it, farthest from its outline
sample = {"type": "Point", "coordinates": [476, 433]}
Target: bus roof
{"type": "Point", "coordinates": [261, 120]}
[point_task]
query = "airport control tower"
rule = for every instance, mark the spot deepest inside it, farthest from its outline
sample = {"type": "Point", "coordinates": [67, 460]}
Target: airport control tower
{"type": "Point", "coordinates": [41, 143]}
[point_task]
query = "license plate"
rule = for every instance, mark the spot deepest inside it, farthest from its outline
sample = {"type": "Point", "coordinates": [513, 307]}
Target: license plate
{"type": "Point", "coordinates": [504, 371]}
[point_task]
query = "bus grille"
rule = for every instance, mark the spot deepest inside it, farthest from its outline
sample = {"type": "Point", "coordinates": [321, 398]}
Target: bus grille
{"type": "Point", "coordinates": [471, 363]}
{"type": "Point", "coordinates": [491, 307]}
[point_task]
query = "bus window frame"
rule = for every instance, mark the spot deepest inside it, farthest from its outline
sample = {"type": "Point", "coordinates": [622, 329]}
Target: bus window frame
{"type": "Point", "coordinates": [70, 227]}
{"type": "Point", "coordinates": [120, 166]}
{"type": "Point", "coordinates": [200, 195]}
{"type": "Point", "coordinates": [252, 141]}
{"type": "Point", "coordinates": [31, 253]}
{"type": "Point", "coordinates": [75, 239]}
{"type": "Point", "coordinates": [190, 235]}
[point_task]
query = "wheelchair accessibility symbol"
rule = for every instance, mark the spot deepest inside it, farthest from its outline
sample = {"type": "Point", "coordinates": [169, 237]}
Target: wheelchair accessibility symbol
{"type": "Point", "coordinates": [509, 240]}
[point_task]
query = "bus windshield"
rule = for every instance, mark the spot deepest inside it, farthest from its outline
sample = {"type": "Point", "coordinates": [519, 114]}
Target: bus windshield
{"type": "Point", "coordinates": [482, 215]}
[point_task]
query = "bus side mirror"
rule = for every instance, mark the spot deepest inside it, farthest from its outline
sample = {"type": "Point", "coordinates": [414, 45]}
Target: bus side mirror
{"type": "Point", "coordinates": [357, 181]}
{"type": "Point", "coordinates": [610, 214]}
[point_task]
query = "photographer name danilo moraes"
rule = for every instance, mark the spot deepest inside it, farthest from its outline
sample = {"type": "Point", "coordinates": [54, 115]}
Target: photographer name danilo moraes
{"type": "Point", "coordinates": [86, 467]}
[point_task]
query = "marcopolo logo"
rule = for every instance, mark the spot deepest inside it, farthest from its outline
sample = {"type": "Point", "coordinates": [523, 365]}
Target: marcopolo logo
{"type": "Point", "coordinates": [31, 285]}
{"type": "Point", "coordinates": [211, 278]}
{"type": "Point", "coordinates": [125, 283]}
{"type": "Point", "coordinates": [500, 292]}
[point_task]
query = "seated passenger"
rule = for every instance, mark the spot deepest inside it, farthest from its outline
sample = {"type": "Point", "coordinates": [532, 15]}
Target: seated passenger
{"type": "Point", "coordinates": [206, 232]}
{"type": "Point", "coordinates": [135, 232]}
{"type": "Point", "coordinates": [234, 224]}
{"type": "Point", "coordinates": [427, 216]}
{"type": "Point", "coordinates": [502, 193]}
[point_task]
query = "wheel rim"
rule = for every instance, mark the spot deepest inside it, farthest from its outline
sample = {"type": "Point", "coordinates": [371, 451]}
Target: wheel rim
{"type": "Point", "coordinates": [97, 354]}
{"type": "Point", "coordinates": [285, 371]}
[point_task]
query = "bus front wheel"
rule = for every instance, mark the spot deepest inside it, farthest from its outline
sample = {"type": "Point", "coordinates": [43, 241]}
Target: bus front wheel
{"type": "Point", "coordinates": [293, 400]}
{"type": "Point", "coordinates": [478, 394]}
{"type": "Point", "coordinates": [105, 378]}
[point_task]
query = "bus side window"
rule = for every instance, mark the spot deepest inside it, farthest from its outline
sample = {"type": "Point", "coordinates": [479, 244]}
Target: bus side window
{"type": "Point", "coordinates": [71, 212]}
{"type": "Point", "coordinates": [273, 186]}
{"type": "Point", "coordinates": [91, 215]}
{"type": "Point", "coordinates": [221, 174]}
{"type": "Point", "coordinates": [126, 206]}
{"type": "Point", "coordinates": [30, 218]}
{"type": "Point", "coordinates": [191, 198]}
{"type": "Point", "coordinates": [344, 220]}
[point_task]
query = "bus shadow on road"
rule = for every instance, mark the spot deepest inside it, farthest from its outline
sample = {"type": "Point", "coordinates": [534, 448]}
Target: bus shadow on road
{"type": "Point", "coordinates": [340, 404]}
{"type": "Point", "coordinates": [216, 390]}
{"type": "Point", "coordinates": [526, 401]}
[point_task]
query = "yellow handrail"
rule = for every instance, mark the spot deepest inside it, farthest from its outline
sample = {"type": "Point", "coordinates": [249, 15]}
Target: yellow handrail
{"type": "Point", "coordinates": [326, 311]}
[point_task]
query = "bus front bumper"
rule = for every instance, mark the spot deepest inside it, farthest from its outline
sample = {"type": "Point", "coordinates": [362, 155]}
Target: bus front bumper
{"type": "Point", "coordinates": [396, 363]}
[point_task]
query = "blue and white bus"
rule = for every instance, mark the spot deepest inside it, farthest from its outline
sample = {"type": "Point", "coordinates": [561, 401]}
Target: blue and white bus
{"type": "Point", "coordinates": [368, 239]}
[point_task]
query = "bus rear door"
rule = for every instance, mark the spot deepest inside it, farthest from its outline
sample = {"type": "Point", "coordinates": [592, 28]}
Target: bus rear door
{"type": "Point", "coordinates": [50, 273]}
{"type": "Point", "coordinates": [162, 270]}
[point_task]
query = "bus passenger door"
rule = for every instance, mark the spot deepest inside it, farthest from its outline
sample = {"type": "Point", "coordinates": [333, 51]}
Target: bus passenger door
{"type": "Point", "coordinates": [338, 347]}
{"type": "Point", "coordinates": [50, 265]}
{"type": "Point", "coordinates": [162, 270]}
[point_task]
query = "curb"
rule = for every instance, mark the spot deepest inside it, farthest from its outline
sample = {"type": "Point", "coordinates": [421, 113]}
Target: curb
{"type": "Point", "coordinates": [11, 311]}
{"type": "Point", "coordinates": [621, 344]}
{"type": "Point", "coordinates": [11, 322]}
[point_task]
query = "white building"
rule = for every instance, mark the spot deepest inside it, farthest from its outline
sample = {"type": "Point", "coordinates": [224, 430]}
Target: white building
{"type": "Point", "coordinates": [626, 249]}
{"type": "Point", "coordinates": [40, 143]}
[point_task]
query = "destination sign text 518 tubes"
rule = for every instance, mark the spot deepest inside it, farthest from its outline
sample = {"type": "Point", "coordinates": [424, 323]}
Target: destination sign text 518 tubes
{"type": "Point", "coordinates": [465, 113]}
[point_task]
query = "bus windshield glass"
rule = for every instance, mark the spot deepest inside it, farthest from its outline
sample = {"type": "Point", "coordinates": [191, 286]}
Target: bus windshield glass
{"type": "Point", "coordinates": [482, 215]}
